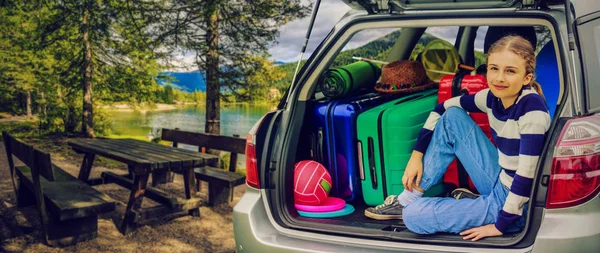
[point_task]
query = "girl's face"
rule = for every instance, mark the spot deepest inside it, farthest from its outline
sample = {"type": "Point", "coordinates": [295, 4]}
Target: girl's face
{"type": "Point", "coordinates": [506, 75]}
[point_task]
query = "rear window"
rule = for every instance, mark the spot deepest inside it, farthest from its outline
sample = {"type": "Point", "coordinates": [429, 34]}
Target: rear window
{"type": "Point", "coordinates": [374, 44]}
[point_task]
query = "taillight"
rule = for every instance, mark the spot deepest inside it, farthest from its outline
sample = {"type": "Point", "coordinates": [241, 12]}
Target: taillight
{"type": "Point", "coordinates": [252, 178]}
{"type": "Point", "coordinates": [575, 173]}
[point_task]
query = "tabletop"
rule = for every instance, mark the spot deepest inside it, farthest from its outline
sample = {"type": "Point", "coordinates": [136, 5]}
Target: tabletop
{"type": "Point", "coordinates": [145, 156]}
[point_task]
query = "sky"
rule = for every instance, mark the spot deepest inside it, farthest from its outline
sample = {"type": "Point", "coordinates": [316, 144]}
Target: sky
{"type": "Point", "coordinates": [291, 37]}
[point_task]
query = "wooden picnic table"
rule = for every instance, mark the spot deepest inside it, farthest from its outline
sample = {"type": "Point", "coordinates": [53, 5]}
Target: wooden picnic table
{"type": "Point", "coordinates": [144, 159]}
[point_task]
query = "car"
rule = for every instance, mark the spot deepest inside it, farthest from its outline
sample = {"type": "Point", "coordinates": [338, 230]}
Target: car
{"type": "Point", "coordinates": [564, 206]}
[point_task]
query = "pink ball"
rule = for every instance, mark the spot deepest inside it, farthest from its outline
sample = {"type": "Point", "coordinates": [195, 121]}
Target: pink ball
{"type": "Point", "coordinates": [312, 183]}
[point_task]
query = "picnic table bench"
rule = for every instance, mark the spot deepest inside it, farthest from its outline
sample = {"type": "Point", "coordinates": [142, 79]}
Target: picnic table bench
{"type": "Point", "coordinates": [220, 182]}
{"type": "Point", "coordinates": [143, 159]}
{"type": "Point", "coordinates": [68, 207]}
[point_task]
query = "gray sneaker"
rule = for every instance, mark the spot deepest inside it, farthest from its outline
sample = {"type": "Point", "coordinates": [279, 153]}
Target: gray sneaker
{"type": "Point", "coordinates": [463, 193]}
{"type": "Point", "coordinates": [389, 210]}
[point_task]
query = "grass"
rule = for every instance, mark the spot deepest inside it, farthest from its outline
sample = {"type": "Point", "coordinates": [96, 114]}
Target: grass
{"type": "Point", "coordinates": [19, 128]}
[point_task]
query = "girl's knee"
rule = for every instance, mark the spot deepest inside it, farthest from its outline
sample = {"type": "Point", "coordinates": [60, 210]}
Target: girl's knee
{"type": "Point", "coordinates": [454, 112]}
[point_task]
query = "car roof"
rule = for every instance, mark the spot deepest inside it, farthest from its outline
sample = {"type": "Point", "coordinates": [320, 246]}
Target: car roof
{"type": "Point", "coordinates": [585, 7]}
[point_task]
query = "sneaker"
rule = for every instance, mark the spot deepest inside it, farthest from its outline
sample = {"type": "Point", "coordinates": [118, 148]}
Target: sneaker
{"type": "Point", "coordinates": [463, 193]}
{"type": "Point", "coordinates": [389, 210]}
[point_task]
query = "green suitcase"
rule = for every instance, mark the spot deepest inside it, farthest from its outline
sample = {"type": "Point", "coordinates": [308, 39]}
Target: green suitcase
{"type": "Point", "coordinates": [386, 137]}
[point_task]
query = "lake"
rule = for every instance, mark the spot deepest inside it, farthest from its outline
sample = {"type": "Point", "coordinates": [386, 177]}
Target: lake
{"type": "Point", "coordinates": [235, 119]}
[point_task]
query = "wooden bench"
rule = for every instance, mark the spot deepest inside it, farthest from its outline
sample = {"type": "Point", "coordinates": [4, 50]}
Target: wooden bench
{"type": "Point", "coordinates": [220, 182]}
{"type": "Point", "coordinates": [68, 207]}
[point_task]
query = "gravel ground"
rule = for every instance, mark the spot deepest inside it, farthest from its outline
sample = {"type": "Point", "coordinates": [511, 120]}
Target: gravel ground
{"type": "Point", "coordinates": [20, 227]}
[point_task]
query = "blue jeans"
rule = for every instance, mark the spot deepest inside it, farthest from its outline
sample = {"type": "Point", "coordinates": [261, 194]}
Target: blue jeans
{"type": "Point", "coordinates": [457, 135]}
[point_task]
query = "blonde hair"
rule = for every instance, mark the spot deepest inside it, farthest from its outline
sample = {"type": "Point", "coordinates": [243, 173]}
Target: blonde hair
{"type": "Point", "coordinates": [521, 47]}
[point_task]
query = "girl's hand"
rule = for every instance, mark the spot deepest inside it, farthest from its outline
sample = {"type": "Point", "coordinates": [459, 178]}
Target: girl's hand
{"type": "Point", "coordinates": [480, 232]}
{"type": "Point", "coordinates": [414, 171]}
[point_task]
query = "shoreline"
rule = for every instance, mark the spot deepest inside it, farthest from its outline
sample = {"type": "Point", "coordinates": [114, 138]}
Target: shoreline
{"type": "Point", "coordinates": [129, 108]}
{"type": "Point", "coordinates": [167, 107]}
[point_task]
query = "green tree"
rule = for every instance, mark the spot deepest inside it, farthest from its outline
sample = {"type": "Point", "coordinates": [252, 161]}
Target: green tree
{"type": "Point", "coordinates": [103, 39]}
{"type": "Point", "coordinates": [22, 66]}
{"type": "Point", "coordinates": [222, 33]}
{"type": "Point", "coordinates": [259, 76]}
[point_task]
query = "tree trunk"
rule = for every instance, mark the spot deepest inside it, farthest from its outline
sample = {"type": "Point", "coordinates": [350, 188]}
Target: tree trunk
{"type": "Point", "coordinates": [87, 125]}
{"type": "Point", "coordinates": [29, 104]}
{"type": "Point", "coordinates": [212, 80]}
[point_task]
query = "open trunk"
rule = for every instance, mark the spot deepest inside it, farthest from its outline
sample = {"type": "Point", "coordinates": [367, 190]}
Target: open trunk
{"type": "Point", "coordinates": [301, 137]}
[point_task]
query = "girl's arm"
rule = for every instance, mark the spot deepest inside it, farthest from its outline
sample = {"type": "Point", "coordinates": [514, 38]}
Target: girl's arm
{"type": "Point", "coordinates": [477, 102]}
{"type": "Point", "coordinates": [533, 125]}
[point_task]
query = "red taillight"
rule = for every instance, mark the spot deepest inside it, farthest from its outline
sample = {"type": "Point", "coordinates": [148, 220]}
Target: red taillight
{"type": "Point", "coordinates": [575, 172]}
{"type": "Point", "coordinates": [252, 178]}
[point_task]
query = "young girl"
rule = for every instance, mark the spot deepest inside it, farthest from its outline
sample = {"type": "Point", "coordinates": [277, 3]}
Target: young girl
{"type": "Point", "coordinates": [519, 119]}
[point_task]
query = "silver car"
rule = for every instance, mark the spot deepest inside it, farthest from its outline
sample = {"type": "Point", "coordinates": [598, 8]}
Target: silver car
{"type": "Point", "coordinates": [564, 206]}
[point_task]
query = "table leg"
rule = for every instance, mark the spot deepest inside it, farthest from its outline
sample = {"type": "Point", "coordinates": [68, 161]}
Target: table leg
{"type": "Point", "coordinates": [86, 167]}
{"type": "Point", "coordinates": [190, 188]}
{"type": "Point", "coordinates": [135, 200]}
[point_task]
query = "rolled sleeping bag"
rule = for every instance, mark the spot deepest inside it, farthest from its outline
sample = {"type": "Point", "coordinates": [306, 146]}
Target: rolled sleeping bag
{"type": "Point", "coordinates": [345, 80]}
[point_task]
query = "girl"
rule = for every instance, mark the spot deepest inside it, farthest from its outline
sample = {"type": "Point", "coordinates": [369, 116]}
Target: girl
{"type": "Point", "coordinates": [519, 119]}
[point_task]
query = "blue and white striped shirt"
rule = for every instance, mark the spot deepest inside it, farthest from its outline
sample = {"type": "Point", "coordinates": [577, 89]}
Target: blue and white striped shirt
{"type": "Point", "coordinates": [518, 132]}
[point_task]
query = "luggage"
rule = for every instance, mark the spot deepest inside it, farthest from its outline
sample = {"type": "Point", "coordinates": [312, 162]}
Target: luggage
{"type": "Point", "coordinates": [469, 83]}
{"type": "Point", "coordinates": [344, 81]}
{"type": "Point", "coordinates": [333, 140]}
{"type": "Point", "coordinates": [386, 138]}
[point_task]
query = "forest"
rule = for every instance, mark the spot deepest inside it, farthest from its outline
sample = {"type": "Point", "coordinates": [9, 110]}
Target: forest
{"type": "Point", "coordinates": [63, 61]}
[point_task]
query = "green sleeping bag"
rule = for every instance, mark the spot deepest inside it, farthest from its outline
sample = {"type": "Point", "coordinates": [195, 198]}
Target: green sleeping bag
{"type": "Point", "coordinates": [345, 80]}
{"type": "Point", "coordinates": [387, 135]}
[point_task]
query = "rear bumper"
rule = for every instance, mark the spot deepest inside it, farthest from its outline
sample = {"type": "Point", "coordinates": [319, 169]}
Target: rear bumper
{"type": "Point", "coordinates": [255, 232]}
{"type": "Point", "coordinates": [574, 229]}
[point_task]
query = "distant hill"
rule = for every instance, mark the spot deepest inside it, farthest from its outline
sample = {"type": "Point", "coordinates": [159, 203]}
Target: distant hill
{"type": "Point", "coordinates": [185, 81]}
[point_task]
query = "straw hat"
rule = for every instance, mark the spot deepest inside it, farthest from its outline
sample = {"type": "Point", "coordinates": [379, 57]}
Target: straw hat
{"type": "Point", "coordinates": [403, 77]}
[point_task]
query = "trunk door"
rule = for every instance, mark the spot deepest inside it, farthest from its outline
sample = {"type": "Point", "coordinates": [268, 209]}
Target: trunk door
{"type": "Point", "coordinates": [387, 6]}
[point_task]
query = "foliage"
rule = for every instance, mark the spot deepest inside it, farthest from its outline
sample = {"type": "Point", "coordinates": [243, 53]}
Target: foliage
{"type": "Point", "coordinates": [245, 30]}
{"type": "Point", "coordinates": [19, 129]}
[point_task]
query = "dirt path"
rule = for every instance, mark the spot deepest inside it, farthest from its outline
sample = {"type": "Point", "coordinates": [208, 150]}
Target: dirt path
{"type": "Point", "coordinates": [212, 232]}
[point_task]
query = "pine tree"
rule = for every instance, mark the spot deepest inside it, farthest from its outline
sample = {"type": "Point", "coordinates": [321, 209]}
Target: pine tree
{"type": "Point", "coordinates": [223, 33]}
{"type": "Point", "coordinates": [102, 39]}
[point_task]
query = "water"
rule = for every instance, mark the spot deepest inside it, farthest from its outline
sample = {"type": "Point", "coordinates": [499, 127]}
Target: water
{"type": "Point", "coordinates": [235, 119]}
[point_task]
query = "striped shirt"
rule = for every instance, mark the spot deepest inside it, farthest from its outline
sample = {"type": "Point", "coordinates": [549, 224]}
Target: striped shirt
{"type": "Point", "coordinates": [518, 132]}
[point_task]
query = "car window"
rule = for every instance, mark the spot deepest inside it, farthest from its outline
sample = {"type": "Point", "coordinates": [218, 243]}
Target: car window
{"type": "Point", "coordinates": [447, 33]}
{"type": "Point", "coordinates": [589, 37]}
{"type": "Point", "coordinates": [542, 33]}
{"type": "Point", "coordinates": [374, 44]}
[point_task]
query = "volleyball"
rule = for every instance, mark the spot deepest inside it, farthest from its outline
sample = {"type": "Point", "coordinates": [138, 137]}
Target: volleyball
{"type": "Point", "coordinates": [312, 183]}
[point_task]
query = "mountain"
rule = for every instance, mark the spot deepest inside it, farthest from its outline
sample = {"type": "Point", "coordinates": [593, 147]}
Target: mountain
{"type": "Point", "coordinates": [185, 81]}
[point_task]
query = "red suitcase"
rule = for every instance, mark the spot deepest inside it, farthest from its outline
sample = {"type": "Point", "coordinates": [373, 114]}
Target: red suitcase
{"type": "Point", "coordinates": [465, 82]}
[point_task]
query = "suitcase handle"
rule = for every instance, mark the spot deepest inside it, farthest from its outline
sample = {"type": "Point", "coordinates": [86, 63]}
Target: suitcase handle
{"type": "Point", "coordinates": [371, 150]}
{"type": "Point", "coordinates": [313, 146]}
{"type": "Point", "coordinates": [361, 167]}
{"type": "Point", "coordinates": [320, 155]}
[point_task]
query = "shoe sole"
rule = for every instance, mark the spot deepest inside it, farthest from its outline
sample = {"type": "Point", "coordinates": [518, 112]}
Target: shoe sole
{"type": "Point", "coordinates": [382, 217]}
{"type": "Point", "coordinates": [464, 190]}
